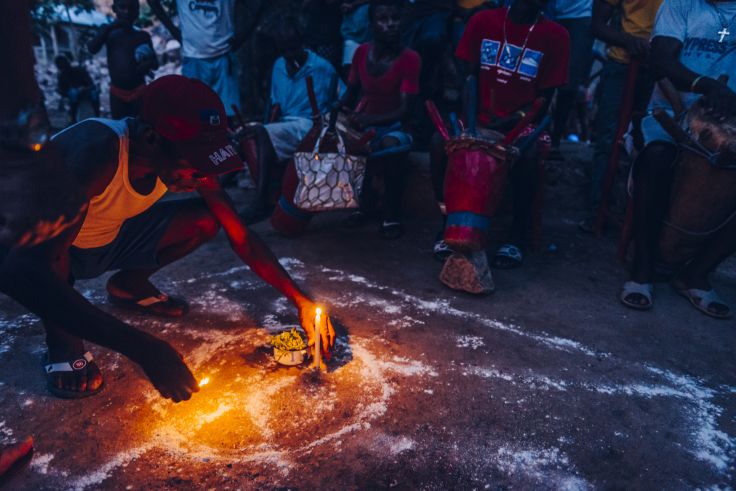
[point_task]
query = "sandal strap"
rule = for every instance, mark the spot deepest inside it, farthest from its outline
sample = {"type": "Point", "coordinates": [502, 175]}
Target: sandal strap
{"type": "Point", "coordinates": [148, 301]}
{"type": "Point", "coordinates": [644, 289]}
{"type": "Point", "coordinates": [510, 251]}
{"type": "Point", "coordinates": [706, 298]}
{"type": "Point", "coordinates": [70, 366]}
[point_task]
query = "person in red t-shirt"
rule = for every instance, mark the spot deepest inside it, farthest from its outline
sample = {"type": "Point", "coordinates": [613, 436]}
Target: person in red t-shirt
{"type": "Point", "coordinates": [515, 55]}
{"type": "Point", "coordinates": [388, 77]}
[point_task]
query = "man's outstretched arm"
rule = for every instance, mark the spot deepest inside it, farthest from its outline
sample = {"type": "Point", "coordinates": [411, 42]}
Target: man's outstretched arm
{"type": "Point", "coordinates": [666, 63]}
{"type": "Point", "coordinates": [256, 254]}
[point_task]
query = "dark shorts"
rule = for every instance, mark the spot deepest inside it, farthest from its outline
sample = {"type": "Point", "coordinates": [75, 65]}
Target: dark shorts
{"type": "Point", "coordinates": [136, 244]}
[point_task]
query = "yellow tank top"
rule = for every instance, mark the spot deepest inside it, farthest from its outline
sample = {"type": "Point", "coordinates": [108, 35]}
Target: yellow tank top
{"type": "Point", "coordinates": [118, 202]}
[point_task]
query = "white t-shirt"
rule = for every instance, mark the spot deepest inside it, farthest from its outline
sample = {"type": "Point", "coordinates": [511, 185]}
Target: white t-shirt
{"type": "Point", "coordinates": [206, 27]}
{"type": "Point", "coordinates": [697, 25]}
{"type": "Point", "coordinates": [572, 9]}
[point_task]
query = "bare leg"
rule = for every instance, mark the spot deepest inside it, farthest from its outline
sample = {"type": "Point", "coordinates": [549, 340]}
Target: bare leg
{"type": "Point", "coordinates": [192, 226]}
{"type": "Point", "coordinates": [695, 274]}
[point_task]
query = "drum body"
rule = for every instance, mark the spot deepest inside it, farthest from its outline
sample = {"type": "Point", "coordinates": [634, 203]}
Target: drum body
{"type": "Point", "coordinates": [703, 195]}
{"type": "Point", "coordinates": [249, 150]}
{"type": "Point", "coordinates": [287, 219]}
{"type": "Point", "coordinates": [475, 179]}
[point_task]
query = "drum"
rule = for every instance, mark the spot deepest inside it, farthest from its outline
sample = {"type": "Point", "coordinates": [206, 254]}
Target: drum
{"type": "Point", "coordinates": [704, 187]}
{"type": "Point", "coordinates": [475, 179]}
{"type": "Point", "coordinates": [248, 145]}
{"type": "Point", "coordinates": [287, 219]}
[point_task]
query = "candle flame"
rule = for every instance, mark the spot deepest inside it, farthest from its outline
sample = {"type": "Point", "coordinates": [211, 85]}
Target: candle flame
{"type": "Point", "coordinates": [204, 381]}
{"type": "Point", "coordinates": [37, 147]}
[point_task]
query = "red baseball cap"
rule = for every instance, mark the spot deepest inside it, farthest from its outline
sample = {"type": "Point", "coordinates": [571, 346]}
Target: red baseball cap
{"type": "Point", "coordinates": [191, 115]}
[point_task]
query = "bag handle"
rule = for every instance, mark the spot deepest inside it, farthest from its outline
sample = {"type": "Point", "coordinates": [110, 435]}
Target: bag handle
{"type": "Point", "coordinates": [331, 127]}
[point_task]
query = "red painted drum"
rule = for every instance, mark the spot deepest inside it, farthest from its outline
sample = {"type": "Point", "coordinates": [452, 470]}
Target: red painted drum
{"type": "Point", "coordinates": [476, 177]}
{"type": "Point", "coordinates": [287, 219]}
{"type": "Point", "coordinates": [249, 149]}
{"type": "Point", "coordinates": [703, 192]}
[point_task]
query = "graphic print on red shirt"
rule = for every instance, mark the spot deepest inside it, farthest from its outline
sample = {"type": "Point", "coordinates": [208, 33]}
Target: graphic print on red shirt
{"type": "Point", "coordinates": [382, 94]}
{"type": "Point", "coordinates": [513, 71]}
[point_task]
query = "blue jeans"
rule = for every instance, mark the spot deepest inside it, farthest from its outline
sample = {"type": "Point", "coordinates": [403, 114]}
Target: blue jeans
{"type": "Point", "coordinates": [610, 98]}
{"type": "Point", "coordinates": [220, 73]}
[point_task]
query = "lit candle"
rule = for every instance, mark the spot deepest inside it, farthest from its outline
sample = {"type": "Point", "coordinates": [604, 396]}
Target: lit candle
{"type": "Point", "coordinates": [317, 347]}
{"type": "Point", "coordinates": [204, 381]}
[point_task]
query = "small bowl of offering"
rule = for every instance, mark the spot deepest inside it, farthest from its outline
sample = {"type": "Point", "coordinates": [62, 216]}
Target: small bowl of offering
{"type": "Point", "coordinates": [289, 348]}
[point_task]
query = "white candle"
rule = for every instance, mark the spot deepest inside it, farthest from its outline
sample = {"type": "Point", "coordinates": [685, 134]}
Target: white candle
{"type": "Point", "coordinates": [317, 340]}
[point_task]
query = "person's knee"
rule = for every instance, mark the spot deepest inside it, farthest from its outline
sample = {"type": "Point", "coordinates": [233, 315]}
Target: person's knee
{"type": "Point", "coordinates": [388, 142]}
{"type": "Point", "coordinates": [207, 226]}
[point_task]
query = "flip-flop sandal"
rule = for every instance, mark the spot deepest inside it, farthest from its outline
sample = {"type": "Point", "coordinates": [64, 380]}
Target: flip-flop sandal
{"type": "Point", "coordinates": [702, 299]}
{"type": "Point", "coordinates": [508, 257]}
{"type": "Point", "coordinates": [643, 289]}
{"type": "Point", "coordinates": [70, 366]}
{"type": "Point", "coordinates": [151, 305]}
{"type": "Point", "coordinates": [441, 251]}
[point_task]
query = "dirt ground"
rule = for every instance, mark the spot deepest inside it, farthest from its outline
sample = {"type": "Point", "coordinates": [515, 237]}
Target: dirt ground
{"type": "Point", "coordinates": [547, 384]}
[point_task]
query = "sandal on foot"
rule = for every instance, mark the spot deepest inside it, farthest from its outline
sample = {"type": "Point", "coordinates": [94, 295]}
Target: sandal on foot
{"type": "Point", "coordinates": [160, 305]}
{"type": "Point", "coordinates": [441, 250]}
{"type": "Point", "coordinates": [391, 230]}
{"type": "Point", "coordinates": [704, 299]}
{"type": "Point", "coordinates": [508, 257]}
{"type": "Point", "coordinates": [633, 288]}
{"type": "Point", "coordinates": [78, 365]}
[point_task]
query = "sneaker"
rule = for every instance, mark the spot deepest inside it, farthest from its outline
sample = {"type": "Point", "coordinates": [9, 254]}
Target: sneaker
{"type": "Point", "coordinates": [356, 219]}
{"type": "Point", "coordinates": [587, 225]}
{"type": "Point", "coordinates": [391, 230]}
{"type": "Point", "coordinates": [441, 250]}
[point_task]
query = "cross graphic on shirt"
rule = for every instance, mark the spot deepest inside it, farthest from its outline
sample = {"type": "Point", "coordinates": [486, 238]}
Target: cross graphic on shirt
{"type": "Point", "coordinates": [723, 33]}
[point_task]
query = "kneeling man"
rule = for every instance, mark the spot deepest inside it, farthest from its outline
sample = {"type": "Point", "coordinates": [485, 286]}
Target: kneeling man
{"type": "Point", "coordinates": [124, 167]}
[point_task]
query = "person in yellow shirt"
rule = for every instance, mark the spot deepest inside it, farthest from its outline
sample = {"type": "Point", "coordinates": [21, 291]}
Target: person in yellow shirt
{"type": "Point", "coordinates": [625, 40]}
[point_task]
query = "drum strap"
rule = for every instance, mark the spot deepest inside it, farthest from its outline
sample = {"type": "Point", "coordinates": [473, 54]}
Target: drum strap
{"type": "Point", "coordinates": [700, 234]}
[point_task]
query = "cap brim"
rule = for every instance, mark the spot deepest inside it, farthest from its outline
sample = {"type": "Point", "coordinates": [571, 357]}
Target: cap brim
{"type": "Point", "coordinates": [211, 155]}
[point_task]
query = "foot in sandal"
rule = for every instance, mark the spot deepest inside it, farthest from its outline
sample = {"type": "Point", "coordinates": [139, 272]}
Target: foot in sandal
{"type": "Point", "coordinates": [637, 295]}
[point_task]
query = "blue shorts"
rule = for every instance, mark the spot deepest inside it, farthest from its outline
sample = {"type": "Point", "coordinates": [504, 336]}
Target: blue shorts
{"type": "Point", "coordinates": [653, 131]}
{"type": "Point", "coordinates": [220, 73]}
{"type": "Point", "coordinates": [394, 131]}
{"type": "Point", "coordinates": [135, 246]}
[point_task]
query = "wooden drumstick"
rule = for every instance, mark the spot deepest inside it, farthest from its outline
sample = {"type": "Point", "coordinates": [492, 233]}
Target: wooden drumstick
{"type": "Point", "coordinates": [670, 126]}
{"type": "Point", "coordinates": [434, 115]}
{"type": "Point", "coordinates": [312, 97]}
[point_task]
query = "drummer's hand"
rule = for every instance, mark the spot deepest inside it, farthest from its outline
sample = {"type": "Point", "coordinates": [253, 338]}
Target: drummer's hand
{"type": "Point", "coordinates": [307, 314]}
{"type": "Point", "coordinates": [502, 124]}
{"type": "Point", "coordinates": [719, 98]}
{"type": "Point", "coordinates": [359, 121]}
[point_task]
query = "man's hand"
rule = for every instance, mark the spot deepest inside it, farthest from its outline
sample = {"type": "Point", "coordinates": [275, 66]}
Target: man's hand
{"type": "Point", "coordinates": [13, 453]}
{"type": "Point", "coordinates": [307, 315]}
{"type": "Point", "coordinates": [168, 373]}
{"type": "Point", "coordinates": [360, 121]}
{"type": "Point", "coordinates": [719, 98]}
{"type": "Point", "coordinates": [637, 47]}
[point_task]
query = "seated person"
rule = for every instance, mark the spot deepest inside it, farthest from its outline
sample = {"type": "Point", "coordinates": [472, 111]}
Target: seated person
{"type": "Point", "coordinates": [130, 57]}
{"type": "Point", "coordinates": [291, 115]}
{"type": "Point", "coordinates": [387, 75]}
{"type": "Point", "coordinates": [517, 56]}
{"type": "Point", "coordinates": [689, 47]}
{"type": "Point", "coordinates": [74, 84]}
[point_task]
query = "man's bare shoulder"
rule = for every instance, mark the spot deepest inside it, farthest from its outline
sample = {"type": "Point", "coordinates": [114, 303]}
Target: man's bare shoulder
{"type": "Point", "coordinates": [90, 151]}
